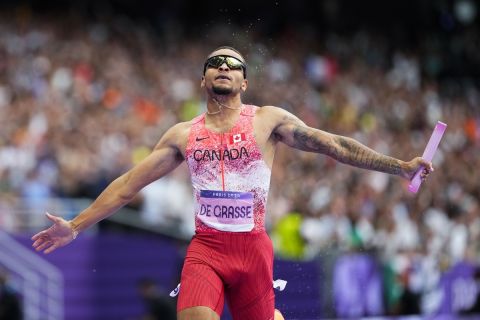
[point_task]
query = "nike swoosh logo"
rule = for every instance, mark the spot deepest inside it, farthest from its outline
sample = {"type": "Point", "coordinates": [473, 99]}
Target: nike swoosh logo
{"type": "Point", "coordinates": [200, 139]}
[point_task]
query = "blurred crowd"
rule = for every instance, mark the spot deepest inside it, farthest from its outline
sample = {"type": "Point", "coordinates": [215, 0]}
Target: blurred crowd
{"type": "Point", "coordinates": [81, 102]}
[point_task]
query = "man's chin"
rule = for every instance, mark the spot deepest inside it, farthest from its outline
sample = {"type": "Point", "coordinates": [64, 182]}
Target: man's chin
{"type": "Point", "coordinates": [221, 90]}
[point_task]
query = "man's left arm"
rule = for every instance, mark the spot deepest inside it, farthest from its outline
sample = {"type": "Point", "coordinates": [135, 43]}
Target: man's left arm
{"type": "Point", "coordinates": [295, 133]}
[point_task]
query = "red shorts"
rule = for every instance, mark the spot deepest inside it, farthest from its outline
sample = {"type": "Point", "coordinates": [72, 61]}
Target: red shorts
{"type": "Point", "coordinates": [238, 266]}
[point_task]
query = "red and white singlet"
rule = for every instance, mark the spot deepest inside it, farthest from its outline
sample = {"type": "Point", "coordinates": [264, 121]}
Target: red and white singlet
{"type": "Point", "coordinates": [230, 179]}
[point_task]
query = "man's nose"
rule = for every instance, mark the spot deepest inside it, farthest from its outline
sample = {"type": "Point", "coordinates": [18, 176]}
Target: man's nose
{"type": "Point", "coordinates": [223, 67]}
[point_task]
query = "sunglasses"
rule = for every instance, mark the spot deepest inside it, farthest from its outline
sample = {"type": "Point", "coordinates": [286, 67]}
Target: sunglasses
{"type": "Point", "coordinates": [231, 62]}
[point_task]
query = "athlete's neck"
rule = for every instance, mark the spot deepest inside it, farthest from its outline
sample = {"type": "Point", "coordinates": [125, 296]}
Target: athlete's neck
{"type": "Point", "coordinates": [222, 115]}
{"type": "Point", "coordinates": [223, 106]}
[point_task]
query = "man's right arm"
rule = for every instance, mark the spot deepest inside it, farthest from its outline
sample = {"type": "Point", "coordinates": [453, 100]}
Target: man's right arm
{"type": "Point", "coordinates": [166, 156]}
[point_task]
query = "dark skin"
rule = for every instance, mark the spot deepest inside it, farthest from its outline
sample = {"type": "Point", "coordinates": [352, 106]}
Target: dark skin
{"type": "Point", "coordinates": [272, 125]}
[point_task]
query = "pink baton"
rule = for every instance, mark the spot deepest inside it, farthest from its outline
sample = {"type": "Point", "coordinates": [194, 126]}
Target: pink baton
{"type": "Point", "coordinates": [428, 154]}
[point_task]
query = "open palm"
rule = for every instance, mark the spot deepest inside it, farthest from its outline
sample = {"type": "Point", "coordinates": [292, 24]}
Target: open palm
{"type": "Point", "coordinates": [58, 235]}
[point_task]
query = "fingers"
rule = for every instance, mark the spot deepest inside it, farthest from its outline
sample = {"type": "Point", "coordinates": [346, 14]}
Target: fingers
{"type": "Point", "coordinates": [426, 171]}
{"type": "Point", "coordinates": [44, 232]}
{"type": "Point", "coordinates": [44, 243]}
{"type": "Point", "coordinates": [43, 246]}
{"type": "Point", "coordinates": [52, 218]}
{"type": "Point", "coordinates": [427, 165]}
{"type": "Point", "coordinates": [52, 248]}
{"type": "Point", "coordinates": [38, 235]}
{"type": "Point", "coordinates": [39, 242]}
{"type": "Point", "coordinates": [40, 238]}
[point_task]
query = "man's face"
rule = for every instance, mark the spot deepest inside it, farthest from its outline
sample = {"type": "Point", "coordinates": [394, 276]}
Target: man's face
{"type": "Point", "coordinates": [223, 80]}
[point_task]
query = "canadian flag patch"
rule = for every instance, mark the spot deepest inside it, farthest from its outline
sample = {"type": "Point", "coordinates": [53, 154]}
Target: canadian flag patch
{"type": "Point", "coordinates": [235, 138]}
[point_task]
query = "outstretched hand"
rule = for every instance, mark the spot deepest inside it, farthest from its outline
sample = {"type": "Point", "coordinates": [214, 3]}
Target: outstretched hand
{"type": "Point", "coordinates": [411, 167]}
{"type": "Point", "coordinates": [58, 235]}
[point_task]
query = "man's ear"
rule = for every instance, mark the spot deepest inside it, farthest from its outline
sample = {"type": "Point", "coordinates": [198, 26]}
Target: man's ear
{"type": "Point", "coordinates": [202, 82]}
{"type": "Point", "coordinates": [244, 85]}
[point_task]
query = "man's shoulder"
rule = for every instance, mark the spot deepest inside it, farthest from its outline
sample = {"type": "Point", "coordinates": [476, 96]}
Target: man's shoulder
{"type": "Point", "coordinates": [261, 110]}
{"type": "Point", "coordinates": [178, 132]}
{"type": "Point", "coordinates": [270, 112]}
{"type": "Point", "coordinates": [177, 135]}
{"type": "Point", "coordinates": [182, 128]}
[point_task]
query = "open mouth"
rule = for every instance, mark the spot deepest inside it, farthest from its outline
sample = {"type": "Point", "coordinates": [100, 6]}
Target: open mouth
{"type": "Point", "coordinates": [222, 76]}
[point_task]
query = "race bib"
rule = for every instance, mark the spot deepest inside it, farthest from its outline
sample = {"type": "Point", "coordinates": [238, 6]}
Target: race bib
{"type": "Point", "coordinates": [226, 210]}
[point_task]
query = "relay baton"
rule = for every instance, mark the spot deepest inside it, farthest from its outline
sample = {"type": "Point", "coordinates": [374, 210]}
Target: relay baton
{"type": "Point", "coordinates": [428, 154]}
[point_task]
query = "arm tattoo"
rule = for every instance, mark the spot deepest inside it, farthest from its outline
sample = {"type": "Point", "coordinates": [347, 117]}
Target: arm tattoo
{"type": "Point", "coordinates": [358, 155]}
{"type": "Point", "coordinates": [345, 150]}
{"type": "Point", "coordinates": [304, 139]}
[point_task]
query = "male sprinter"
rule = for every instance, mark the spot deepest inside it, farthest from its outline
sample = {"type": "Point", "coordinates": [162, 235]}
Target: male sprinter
{"type": "Point", "coordinates": [229, 151]}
